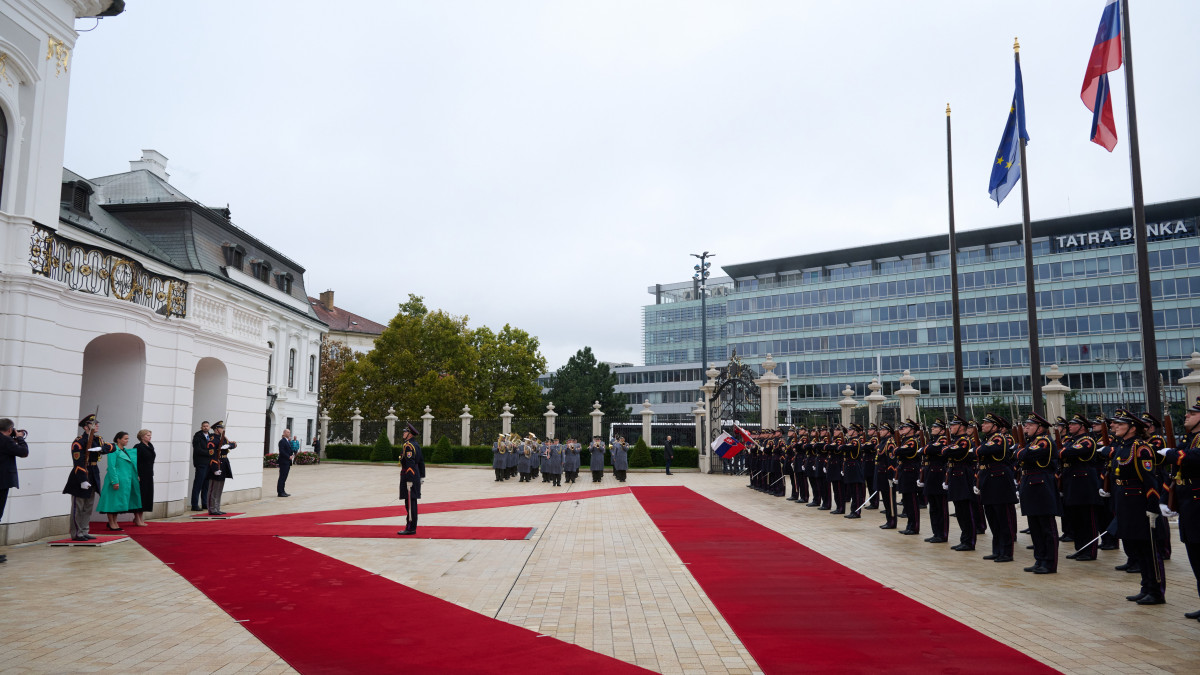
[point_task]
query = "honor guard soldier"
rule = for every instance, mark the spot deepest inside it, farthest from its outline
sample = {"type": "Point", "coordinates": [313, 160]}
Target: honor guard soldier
{"type": "Point", "coordinates": [1106, 517]}
{"type": "Point", "coordinates": [1184, 461]}
{"type": "Point", "coordinates": [961, 484]}
{"type": "Point", "coordinates": [1139, 503]}
{"type": "Point", "coordinates": [1039, 493]}
{"type": "Point", "coordinates": [885, 472]}
{"type": "Point", "coordinates": [933, 476]}
{"type": "Point", "coordinates": [995, 485]}
{"type": "Point", "coordinates": [1154, 436]}
{"type": "Point", "coordinates": [853, 479]}
{"type": "Point", "coordinates": [412, 474]}
{"type": "Point", "coordinates": [219, 468]}
{"type": "Point", "coordinates": [789, 458]}
{"type": "Point", "coordinates": [837, 462]}
{"type": "Point", "coordinates": [780, 462]}
{"type": "Point", "coordinates": [1080, 488]}
{"type": "Point", "coordinates": [870, 444]}
{"type": "Point", "coordinates": [801, 464]}
{"type": "Point", "coordinates": [908, 455]}
{"type": "Point", "coordinates": [812, 465]}
{"type": "Point", "coordinates": [84, 482]}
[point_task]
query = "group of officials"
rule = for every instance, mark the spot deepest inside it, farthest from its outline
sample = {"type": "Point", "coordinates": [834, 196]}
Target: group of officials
{"type": "Point", "coordinates": [527, 457]}
{"type": "Point", "coordinates": [1110, 479]}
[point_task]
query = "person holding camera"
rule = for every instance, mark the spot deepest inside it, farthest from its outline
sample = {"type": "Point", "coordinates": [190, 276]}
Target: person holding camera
{"type": "Point", "coordinates": [12, 446]}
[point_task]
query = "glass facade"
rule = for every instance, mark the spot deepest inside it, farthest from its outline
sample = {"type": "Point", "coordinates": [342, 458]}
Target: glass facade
{"type": "Point", "coordinates": [840, 318]}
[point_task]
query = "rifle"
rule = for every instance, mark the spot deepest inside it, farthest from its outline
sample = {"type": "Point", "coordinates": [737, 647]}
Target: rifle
{"type": "Point", "coordinates": [1169, 428]}
{"type": "Point", "coordinates": [1105, 441]}
{"type": "Point", "coordinates": [1019, 435]}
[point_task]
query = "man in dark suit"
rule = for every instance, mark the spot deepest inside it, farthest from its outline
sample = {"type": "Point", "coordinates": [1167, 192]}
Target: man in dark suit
{"type": "Point", "coordinates": [12, 446]}
{"type": "Point", "coordinates": [668, 453]}
{"type": "Point", "coordinates": [200, 463]}
{"type": "Point", "coordinates": [286, 452]}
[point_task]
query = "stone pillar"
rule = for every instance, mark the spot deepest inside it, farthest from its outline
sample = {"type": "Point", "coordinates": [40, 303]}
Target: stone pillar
{"type": "Point", "coordinates": [550, 416]}
{"type": "Point", "coordinates": [506, 420]}
{"type": "Point", "coordinates": [324, 430]}
{"type": "Point", "coordinates": [908, 397]}
{"type": "Point", "coordinates": [768, 386]}
{"type": "Point", "coordinates": [391, 425]}
{"type": "Point", "coordinates": [596, 415]}
{"type": "Point", "coordinates": [1056, 394]}
{"type": "Point", "coordinates": [647, 418]}
{"type": "Point", "coordinates": [848, 405]}
{"type": "Point", "coordinates": [1191, 383]}
{"type": "Point", "coordinates": [466, 425]}
{"type": "Point", "coordinates": [426, 427]}
{"type": "Point", "coordinates": [701, 445]}
{"type": "Point", "coordinates": [875, 401]}
{"type": "Point", "coordinates": [356, 420]}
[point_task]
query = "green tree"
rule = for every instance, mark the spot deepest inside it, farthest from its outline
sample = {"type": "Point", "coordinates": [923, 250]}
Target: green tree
{"type": "Point", "coordinates": [382, 451]}
{"type": "Point", "coordinates": [509, 366]}
{"type": "Point", "coordinates": [335, 356]}
{"type": "Point", "coordinates": [583, 381]}
{"type": "Point", "coordinates": [640, 456]}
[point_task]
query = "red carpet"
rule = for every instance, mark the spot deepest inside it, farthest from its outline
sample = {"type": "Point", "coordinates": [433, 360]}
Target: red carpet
{"type": "Point", "coordinates": [798, 611]}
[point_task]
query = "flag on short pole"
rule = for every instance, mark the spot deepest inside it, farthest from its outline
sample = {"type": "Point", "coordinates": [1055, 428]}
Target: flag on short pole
{"type": "Point", "coordinates": [742, 436]}
{"type": "Point", "coordinates": [726, 446]}
{"type": "Point", "coordinates": [1006, 169]}
{"type": "Point", "coordinates": [1107, 56]}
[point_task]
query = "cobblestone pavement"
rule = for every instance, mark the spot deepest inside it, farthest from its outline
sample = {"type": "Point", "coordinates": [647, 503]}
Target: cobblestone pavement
{"type": "Point", "coordinates": [596, 573]}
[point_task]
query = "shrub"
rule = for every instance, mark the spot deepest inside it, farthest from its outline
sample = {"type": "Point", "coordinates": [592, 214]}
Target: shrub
{"type": "Point", "coordinates": [382, 450]}
{"type": "Point", "coordinates": [306, 458]}
{"type": "Point", "coordinates": [640, 456]}
{"type": "Point", "coordinates": [346, 451]}
{"type": "Point", "coordinates": [271, 461]}
{"type": "Point", "coordinates": [442, 452]}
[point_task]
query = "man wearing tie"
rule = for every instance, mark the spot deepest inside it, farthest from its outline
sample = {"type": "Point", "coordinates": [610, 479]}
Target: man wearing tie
{"type": "Point", "coordinates": [286, 452]}
{"type": "Point", "coordinates": [200, 463]}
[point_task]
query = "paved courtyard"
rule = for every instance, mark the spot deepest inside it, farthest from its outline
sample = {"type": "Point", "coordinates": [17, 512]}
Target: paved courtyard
{"type": "Point", "coordinates": [596, 573]}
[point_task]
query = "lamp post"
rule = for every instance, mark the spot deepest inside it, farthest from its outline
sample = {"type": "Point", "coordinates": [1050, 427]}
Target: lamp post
{"type": "Point", "coordinates": [701, 276]}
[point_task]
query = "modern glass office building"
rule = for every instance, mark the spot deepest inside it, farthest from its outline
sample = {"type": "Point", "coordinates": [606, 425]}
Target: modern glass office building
{"type": "Point", "coordinates": [838, 318]}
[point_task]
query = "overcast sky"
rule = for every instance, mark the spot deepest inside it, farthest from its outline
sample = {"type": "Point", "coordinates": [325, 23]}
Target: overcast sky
{"type": "Point", "coordinates": [542, 163]}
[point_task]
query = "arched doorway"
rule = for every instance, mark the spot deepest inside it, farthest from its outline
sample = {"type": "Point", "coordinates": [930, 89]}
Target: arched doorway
{"type": "Point", "coordinates": [210, 390]}
{"type": "Point", "coordinates": [114, 384]}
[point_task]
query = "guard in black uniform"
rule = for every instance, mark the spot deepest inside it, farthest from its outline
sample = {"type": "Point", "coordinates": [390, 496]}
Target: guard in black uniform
{"type": "Point", "coordinates": [869, 446]}
{"type": "Point", "coordinates": [1080, 488]}
{"type": "Point", "coordinates": [933, 477]}
{"type": "Point", "coordinates": [1162, 528]}
{"type": "Point", "coordinates": [885, 473]}
{"type": "Point", "coordinates": [1039, 493]}
{"type": "Point", "coordinates": [853, 480]}
{"type": "Point", "coordinates": [962, 484]}
{"type": "Point", "coordinates": [836, 469]}
{"type": "Point", "coordinates": [412, 474]}
{"type": "Point", "coordinates": [84, 482]}
{"type": "Point", "coordinates": [908, 454]}
{"type": "Point", "coordinates": [1139, 502]}
{"type": "Point", "coordinates": [1185, 462]}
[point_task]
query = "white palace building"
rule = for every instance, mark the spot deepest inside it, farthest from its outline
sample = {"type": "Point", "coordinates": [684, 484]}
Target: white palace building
{"type": "Point", "coordinates": [120, 293]}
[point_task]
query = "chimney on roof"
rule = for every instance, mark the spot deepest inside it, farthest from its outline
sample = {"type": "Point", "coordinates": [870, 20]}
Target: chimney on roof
{"type": "Point", "coordinates": [327, 300]}
{"type": "Point", "coordinates": [152, 161]}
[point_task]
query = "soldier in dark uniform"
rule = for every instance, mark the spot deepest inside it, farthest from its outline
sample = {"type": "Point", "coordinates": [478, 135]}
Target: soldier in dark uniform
{"type": "Point", "coordinates": [869, 445]}
{"type": "Point", "coordinates": [789, 460]}
{"type": "Point", "coordinates": [1105, 514]}
{"type": "Point", "coordinates": [412, 474]}
{"type": "Point", "coordinates": [1039, 493]}
{"type": "Point", "coordinates": [219, 470]}
{"type": "Point", "coordinates": [885, 473]}
{"type": "Point", "coordinates": [824, 448]}
{"type": "Point", "coordinates": [908, 455]}
{"type": "Point", "coordinates": [933, 476]}
{"type": "Point", "coordinates": [853, 479]}
{"type": "Point", "coordinates": [961, 484]}
{"type": "Point", "coordinates": [1162, 528]}
{"type": "Point", "coordinates": [1139, 503]}
{"type": "Point", "coordinates": [1185, 462]}
{"type": "Point", "coordinates": [812, 465]}
{"type": "Point", "coordinates": [1080, 488]}
{"type": "Point", "coordinates": [995, 485]}
{"type": "Point", "coordinates": [837, 463]}
{"type": "Point", "coordinates": [84, 482]}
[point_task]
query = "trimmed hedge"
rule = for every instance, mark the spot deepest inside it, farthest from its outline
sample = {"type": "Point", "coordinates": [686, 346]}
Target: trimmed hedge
{"type": "Point", "coordinates": [271, 461]}
{"type": "Point", "coordinates": [482, 454]}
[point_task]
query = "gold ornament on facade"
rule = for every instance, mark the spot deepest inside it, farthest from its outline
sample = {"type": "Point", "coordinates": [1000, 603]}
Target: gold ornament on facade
{"type": "Point", "coordinates": [85, 270]}
{"type": "Point", "coordinates": [4, 67]}
{"type": "Point", "coordinates": [160, 296]}
{"type": "Point", "coordinates": [69, 266]}
{"type": "Point", "coordinates": [103, 274]}
{"type": "Point", "coordinates": [58, 51]}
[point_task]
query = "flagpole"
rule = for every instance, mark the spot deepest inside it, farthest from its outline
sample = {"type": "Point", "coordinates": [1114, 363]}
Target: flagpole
{"type": "Point", "coordinates": [1035, 354]}
{"type": "Point", "coordinates": [959, 394]}
{"type": "Point", "coordinates": [1141, 256]}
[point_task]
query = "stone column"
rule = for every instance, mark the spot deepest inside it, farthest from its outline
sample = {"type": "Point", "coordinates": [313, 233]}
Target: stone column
{"type": "Point", "coordinates": [391, 425]}
{"type": "Point", "coordinates": [848, 404]}
{"type": "Point", "coordinates": [768, 386]}
{"type": "Point", "coordinates": [698, 413]}
{"type": "Point", "coordinates": [596, 415]}
{"type": "Point", "coordinates": [356, 420]}
{"type": "Point", "coordinates": [550, 416]}
{"type": "Point", "coordinates": [426, 427]}
{"type": "Point", "coordinates": [466, 425]}
{"type": "Point", "coordinates": [908, 397]}
{"type": "Point", "coordinates": [647, 418]}
{"type": "Point", "coordinates": [506, 420]}
{"type": "Point", "coordinates": [875, 400]}
{"type": "Point", "coordinates": [1191, 383]}
{"type": "Point", "coordinates": [1056, 394]}
{"type": "Point", "coordinates": [703, 446]}
{"type": "Point", "coordinates": [324, 430]}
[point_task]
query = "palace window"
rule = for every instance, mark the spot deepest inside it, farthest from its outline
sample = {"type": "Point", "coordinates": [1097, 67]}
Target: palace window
{"type": "Point", "coordinates": [3, 150]}
{"type": "Point", "coordinates": [292, 369]}
{"type": "Point", "coordinates": [235, 255]}
{"type": "Point", "coordinates": [261, 269]}
{"type": "Point", "coordinates": [312, 371]}
{"type": "Point", "coordinates": [284, 281]}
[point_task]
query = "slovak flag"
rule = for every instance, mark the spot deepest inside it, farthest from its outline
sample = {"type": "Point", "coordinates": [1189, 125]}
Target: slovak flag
{"type": "Point", "coordinates": [742, 435]}
{"type": "Point", "coordinates": [726, 446]}
{"type": "Point", "coordinates": [1107, 56]}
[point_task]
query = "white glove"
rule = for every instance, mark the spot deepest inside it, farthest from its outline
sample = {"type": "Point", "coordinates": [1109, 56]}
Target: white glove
{"type": "Point", "coordinates": [1017, 484]}
{"type": "Point", "coordinates": [225, 447]}
{"type": "Point", "coordinates": [217, 472]}
{"type": "Point", "coordinates": [1165, 510]}
{"type": "Point", "coordinates": [975, 489]}
{"type": "Point", "coordinates": [1104, 493]}
{"type": "Point", "coordinates": [895, 482]}
{"type": "Point", "coordinates": [945, 486]}
{"type": "Point", "coordinates": [920, 484]}
{"type": "Point", "coordinates": [85, 485]}
{"type": "Point", "coordinates": [1102, 448]}
{"type": "Point", "coordinates": [843, 473]}
{"type": "Point", "coordinates": [1164, 451]}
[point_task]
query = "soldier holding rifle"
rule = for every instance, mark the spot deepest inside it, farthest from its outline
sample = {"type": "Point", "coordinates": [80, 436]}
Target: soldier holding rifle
{"type": "Point", "coordinates": [1184, 460]}
{"type": "Point", "coordinates": [885, 472]}
{"type": "Point", "coordinates": [908, 453]}
{"type": "Point", "coordinates": [961, 485]}
{"type": "Point", "coordinates": [1080, 488]}
{"type": "Point", "coordinates": [933, 476]}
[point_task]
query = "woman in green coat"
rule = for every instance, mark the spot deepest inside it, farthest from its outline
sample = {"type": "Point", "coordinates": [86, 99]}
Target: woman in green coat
{"type": "Point", "coordinates": [120, 492]}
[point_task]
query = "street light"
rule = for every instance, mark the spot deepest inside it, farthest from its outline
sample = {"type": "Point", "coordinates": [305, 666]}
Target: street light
{"type": "Point", "coordinates": [701, 276]}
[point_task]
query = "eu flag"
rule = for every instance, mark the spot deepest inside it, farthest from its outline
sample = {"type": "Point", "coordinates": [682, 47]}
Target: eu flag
{"type": "Point", "coordinates": [1006, 169]}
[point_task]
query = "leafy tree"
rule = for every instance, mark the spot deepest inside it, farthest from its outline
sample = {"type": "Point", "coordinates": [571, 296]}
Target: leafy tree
{"type": "Point", "coordinates": [583, 381]}
{"type": "Point", "coordinates": [640, 456]}
{"type": "Point", "coordinates": [335, 356]}
{"type": "Point", "coordinates": [509, 366]}
{"type": "Point", "coordinates": [382, 451]}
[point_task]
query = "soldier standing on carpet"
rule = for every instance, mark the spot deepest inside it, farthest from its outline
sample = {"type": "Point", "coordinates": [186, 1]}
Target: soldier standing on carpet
{"type": "Point", "coordinates": [908, 453]}
{"type": "Point", "coordinates": [412, 474]}
{"type": "Point", "coordinates": [885, 471]}
{"type": "Point", "coordinates": [961, 484]}
{"type": "Point", "coordinates": [1080, 488]}
{"type": "Point", "coordinates": [1039, 493]}
{"type": "Point", "coordinates": [597, 458]}
{"type": "Point", "coordinates": [1185, 461]}
{"type": "Point", "coordinates": [933, 476]}
{"type": "Point", "coordinates": [995, 487]}
{"type": "Point", "coordinates": [1139, 502]}
{"type": "Point", "coordinates": [84, 482]}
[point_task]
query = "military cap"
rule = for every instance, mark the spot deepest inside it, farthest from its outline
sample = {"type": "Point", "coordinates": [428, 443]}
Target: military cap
{"type": "Point", "coordinates": [1123, 416]}
{"type": "Point", "coordinates": [886, 426]}
{"type": "Point", "coordinates": [972, 425]}
{"type": "Point", "coordinates": [87, 420]}
{"type": "Point", "coordinates": [957, 419]}
{"type": "Point", "coordinates": [1078, 419]}
{"type": "Point", "coordinates": [1060, 421]}
{"type": "Point", "coordinates": [408, 426]}
{"type": "Point", "coordinates": [939, 424]}
{"type": "Point", "coordinates": [997, 419]}
{"type": "Point", "coordinates": [1034, 418]}
{"type": "Point", "coordinates": [1195, 406]}
{"type": "Point", "coordinates": [873, 427]}
{"type": "Point", "coordinates": [908, 422]}
{"type": "Point", "coordinates": [219, 424]}
{"type": "Point", "coordinates": [1151, 419]}
{"type": "Point", "coordinates": [1098, 419]}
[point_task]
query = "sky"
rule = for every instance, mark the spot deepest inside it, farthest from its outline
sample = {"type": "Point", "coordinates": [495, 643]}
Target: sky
{"type": "Point", "coordinates": [542, 163]}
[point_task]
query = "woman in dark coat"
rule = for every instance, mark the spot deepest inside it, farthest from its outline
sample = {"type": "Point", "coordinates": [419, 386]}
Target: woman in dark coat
{"type": "Point", "coordinates": [145, 469]}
